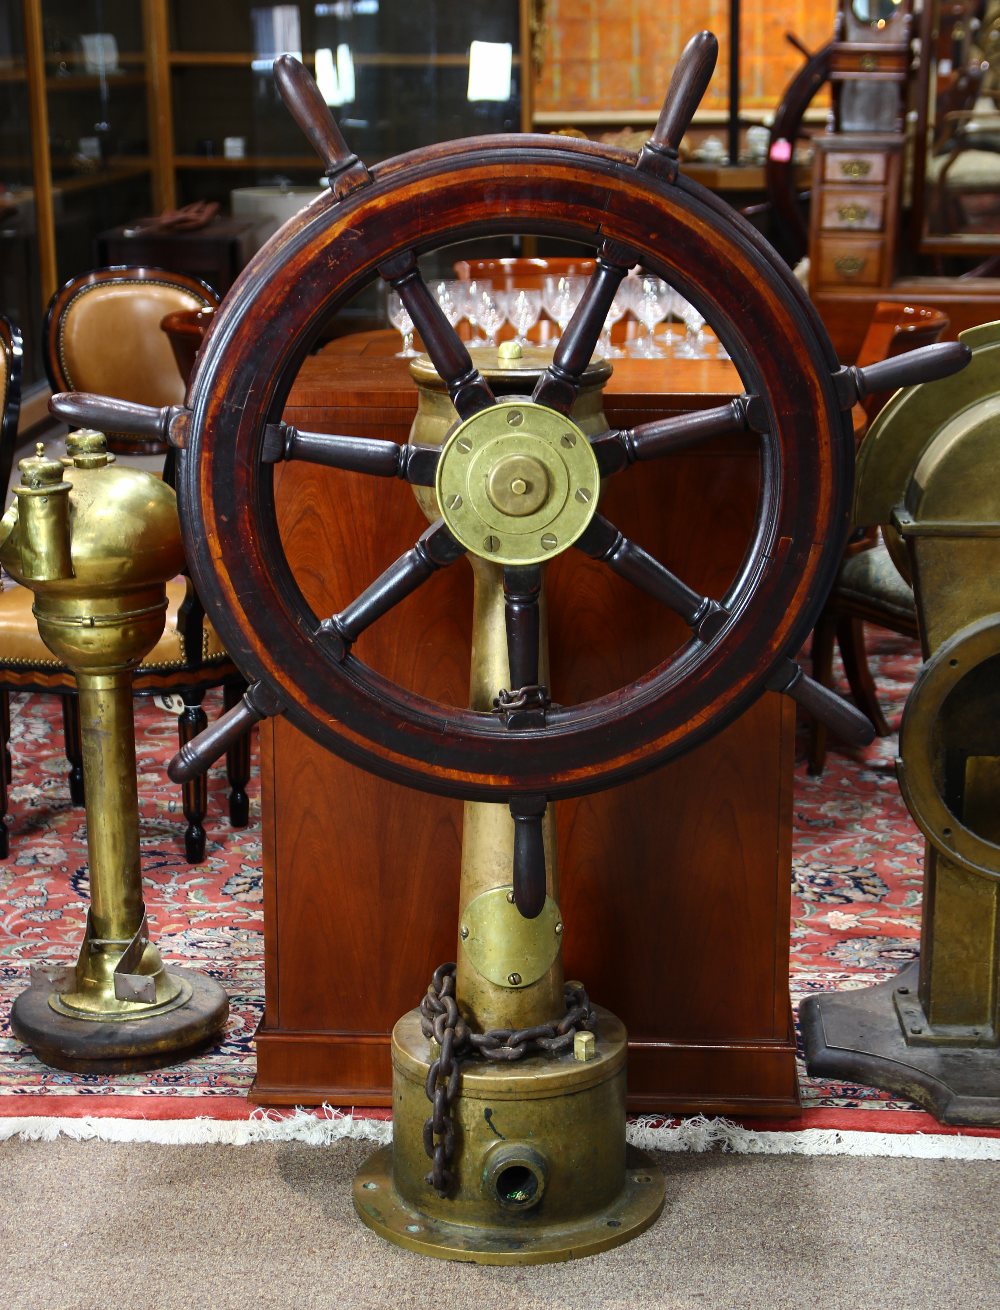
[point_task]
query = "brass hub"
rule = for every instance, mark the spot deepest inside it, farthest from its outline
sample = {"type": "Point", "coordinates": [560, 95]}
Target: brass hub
{"type": "Point", "coordinates": [517, 483]}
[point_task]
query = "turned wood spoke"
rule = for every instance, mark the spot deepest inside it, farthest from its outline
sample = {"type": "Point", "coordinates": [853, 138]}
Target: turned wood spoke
{"type": "Point", "coordinates": [194, 757]}
{"type": "Point", "coordinates": [603, 541]}
{"type": "Point", "coordinates": [467, 387]}
{"type": "Point", "coordinates": [560, 383]}
{"type": "Point", "coordinates": [82, 409]}
{"type": "Point", "coordinates": [382, 459]}
{"type": "Point", "coordinates": [691, 76]}
{"type": "Point", "coordinates": [529, 854]}
{"type": "Point", "coordinates": [839, 715]}
{"type": "Point", "coordinates": [435, 549]}
{"type": "Point", "coordinates": [617, 449]}
{"type": "Point", "coordinates": [304, 100]}
{"type": "Point", "coordinates": [522, 588]}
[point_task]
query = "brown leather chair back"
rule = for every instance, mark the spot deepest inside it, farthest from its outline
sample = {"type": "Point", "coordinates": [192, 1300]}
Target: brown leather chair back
{"type": "Point", "coordinates": [506, 274]}
{"type": "Point", "coordinates": [102, 333]}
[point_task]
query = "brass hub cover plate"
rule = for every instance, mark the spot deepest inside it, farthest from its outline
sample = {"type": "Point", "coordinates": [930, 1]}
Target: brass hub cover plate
{"type": "Point", "coordinates": [503, 946]}
{"type": "Point", "coordinates": [517, 483]}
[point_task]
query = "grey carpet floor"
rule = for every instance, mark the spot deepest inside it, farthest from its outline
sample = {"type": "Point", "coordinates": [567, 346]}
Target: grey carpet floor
{"type": "Point", "coordinates": [88, 1225]}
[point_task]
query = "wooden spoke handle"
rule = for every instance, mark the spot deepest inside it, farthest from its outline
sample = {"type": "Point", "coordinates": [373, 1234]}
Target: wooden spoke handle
{"type": "Point", "coordinates": [529, 855]}
{"type": "Point", "coordinates": [258, 702]}
{"type": "Point", "coordinates": [690, 80]}
{"type": "Point", "coordinates": [80, 409]}
{"type": "Point", "coordinates": [839, 715]}
{"type": "Point", "coordinates": [924, 365]}
{"type": "Point", "coordinates": [305, 103]}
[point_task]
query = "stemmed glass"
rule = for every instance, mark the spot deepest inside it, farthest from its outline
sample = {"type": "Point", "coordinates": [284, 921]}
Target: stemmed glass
{"type": "Point", "coordinates": [523, 307]}
{"type": "Point", "coordinates": [650, 303]}
{"type": "Point", "coordinates": [560, 296]}
{"type": "Point", "coordinates": [451, 298]}
{"type": "Point", "coordinates": [694, 344]}
{"type": "Point", "coordinates": [619, 308]}
{"type": "Point", "coordinates": [400, 319]}
{"type": "Point", "coordinates": [485, 312]}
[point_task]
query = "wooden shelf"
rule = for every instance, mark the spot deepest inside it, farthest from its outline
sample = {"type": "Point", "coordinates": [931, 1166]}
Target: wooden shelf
{"type": "Point", "coordinates": [249, 162]}
{"type": "Point", "coordinates": [101, 177]}
{"type": "Point", "coordinates": [88, 81]}
{"type": "Point", "coordinates": [241, 59]}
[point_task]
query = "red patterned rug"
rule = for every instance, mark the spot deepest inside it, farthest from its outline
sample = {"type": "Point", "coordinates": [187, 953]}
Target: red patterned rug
{"type": "Point", "coordinates": [855, 915]}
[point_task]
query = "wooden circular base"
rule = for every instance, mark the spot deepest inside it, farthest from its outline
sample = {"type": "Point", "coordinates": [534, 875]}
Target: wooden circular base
{"type": "Point", "coordinates": [120, 1046]}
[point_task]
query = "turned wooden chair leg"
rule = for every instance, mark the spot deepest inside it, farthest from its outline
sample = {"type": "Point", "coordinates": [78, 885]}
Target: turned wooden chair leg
{"type": "Point", "coordinates": [851, 639]}
{"type": "Point", "coordinates": [194, 792]}
{"type": "Point", "coordinates": [5, 771]}
{"type": "Point", "coordinates": [822, 671]}
{"type": "Point", "coordinates": [237, 762]}
{"type": "Point", "coordinates": [73, 747]}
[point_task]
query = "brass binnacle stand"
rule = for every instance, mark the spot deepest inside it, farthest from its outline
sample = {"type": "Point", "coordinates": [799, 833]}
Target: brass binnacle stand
{"type": "Point", "coordinates": [96, 544]}
{"type": "Point", "coordinates": [932, 1033]}
{"type": "Point", "coordinates": [508, 1088]}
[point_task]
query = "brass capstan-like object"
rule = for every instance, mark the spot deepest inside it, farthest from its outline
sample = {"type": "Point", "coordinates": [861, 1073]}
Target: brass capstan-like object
{"type": "Point", "coordinates": [97, 543]}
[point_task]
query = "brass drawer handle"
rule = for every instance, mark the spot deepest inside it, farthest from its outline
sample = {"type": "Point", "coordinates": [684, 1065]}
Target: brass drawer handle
{"type": "Point", "coordinates": [856, 167]}
{"type": "Point", "coordinates": [849, 265]}
{"type": "Point", "coordinates": [853, 213]}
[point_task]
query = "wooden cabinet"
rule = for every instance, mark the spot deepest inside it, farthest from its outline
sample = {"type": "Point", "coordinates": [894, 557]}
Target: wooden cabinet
{"type": "Point", "coordinates": [855, 211]}
{"type": "Point", "coordinates": [675, 888]}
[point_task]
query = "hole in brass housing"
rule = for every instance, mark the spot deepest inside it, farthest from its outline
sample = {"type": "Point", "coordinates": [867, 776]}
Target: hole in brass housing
{"type": "Point", "coordinates": [517, 1185]}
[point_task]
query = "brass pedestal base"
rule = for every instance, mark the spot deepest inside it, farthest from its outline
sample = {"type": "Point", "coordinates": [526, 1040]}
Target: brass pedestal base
{"type": "Point", "coordinates": [856, 1036]}
{"type": "Point", "coordinates": [540, 1158]}
{"type": "Point", "coordinates": [164, 1036]}
{"type": "Point", "coordinates": [381, 1207]}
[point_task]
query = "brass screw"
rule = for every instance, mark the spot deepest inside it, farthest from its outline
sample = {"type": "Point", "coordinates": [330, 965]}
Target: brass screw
{"type": "Point", "coordinates": [514, 979]}
{"type": "Point", "coordinates": [510, 898]}
{"type": "Point", "coordinates": [463, 932]}
{"type": "Point", "coordinates": [464, 445]}
{"type": "Point", "coordinates": [515, 418]}
{"type": "Point", "coordinates": [454, 502]}
{"type": "Point", "coordinates": [558, 929]}
{"type": "Point", "coordinates": [492, 544]}
{"type": "Point", "coordinates": [568, 439]}
{"type": "Point", "coordinates": [583, 495]}
{"type": "Point", "coordinates": [519, 486]}
{"type": "Point", "coordinates": [550, 541]}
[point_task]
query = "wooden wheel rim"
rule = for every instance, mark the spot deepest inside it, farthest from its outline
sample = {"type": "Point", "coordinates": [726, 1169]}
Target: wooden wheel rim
{"type": "Point", "coordinates": [430, 199]}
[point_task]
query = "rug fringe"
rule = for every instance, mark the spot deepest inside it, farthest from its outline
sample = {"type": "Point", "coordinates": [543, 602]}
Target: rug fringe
{"type": "Point", "coordinates": [700, 1134]}
{"type": "Point", "coordinates": [327, 1125]}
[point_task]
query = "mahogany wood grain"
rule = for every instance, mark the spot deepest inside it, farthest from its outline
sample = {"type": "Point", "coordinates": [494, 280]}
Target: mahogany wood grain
{"type": "Point", "coordinates": [676, 887]}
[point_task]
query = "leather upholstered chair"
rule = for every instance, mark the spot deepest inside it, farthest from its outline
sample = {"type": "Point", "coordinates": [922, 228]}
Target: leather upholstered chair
{"type": "Point", "coordinates": [869, 588]}
{"type": "Point", "coordinates": [99, 340]}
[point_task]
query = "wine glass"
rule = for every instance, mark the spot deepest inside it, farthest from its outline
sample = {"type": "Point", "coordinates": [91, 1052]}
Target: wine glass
{"type": "Point", "coordinates": [523, 306]}
{"type": "Point", "coordinates": [400, 319]}
{"type": "Point", "coordinates": [651, 298]}
{"type": "Point", "coordinates": [560, 296]}
{"type": "Point", "coordinates": [450, 296]}
{"type": "Point", "coordinates": [619, 308]}
{"type": "Point", "coordinates": [693, 345]}
{"type": "Point", "coordinates": [485, 311]}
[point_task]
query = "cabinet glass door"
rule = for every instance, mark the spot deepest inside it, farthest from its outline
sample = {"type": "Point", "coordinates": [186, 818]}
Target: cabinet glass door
{"type": "Point", "coordinates": [96, 100]}
{"type": "Point", "coordinates": [20, 292]}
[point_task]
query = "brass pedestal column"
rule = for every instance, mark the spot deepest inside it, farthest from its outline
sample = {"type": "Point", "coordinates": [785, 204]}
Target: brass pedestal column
{"type": "Point", "coordinates": [97, 544]}
{"type": "Point", "coordinates": [932, 1034]}
{"type": "Point", "coordinates": [539, 1169]}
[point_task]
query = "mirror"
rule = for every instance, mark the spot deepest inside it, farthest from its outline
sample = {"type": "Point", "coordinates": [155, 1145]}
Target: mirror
{"type": "Point", "coordinates": [875, 12]}
{"type": "Point", "coordinates": [957, 148]}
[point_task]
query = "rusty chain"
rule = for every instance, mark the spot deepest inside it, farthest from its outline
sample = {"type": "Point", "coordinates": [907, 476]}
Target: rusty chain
{"type": "Point", "coordinates": [441, 1020]}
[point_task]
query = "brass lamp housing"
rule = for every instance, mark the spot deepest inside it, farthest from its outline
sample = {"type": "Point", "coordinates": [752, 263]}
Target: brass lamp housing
{"type": "Point", "coordinates": [96, 543]}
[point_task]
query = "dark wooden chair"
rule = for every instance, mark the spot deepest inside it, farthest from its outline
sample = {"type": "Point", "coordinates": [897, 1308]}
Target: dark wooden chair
{"type": "Point", "coordinates": [869, 588]}
{"type": "Point", "coordinates": [103, 334]}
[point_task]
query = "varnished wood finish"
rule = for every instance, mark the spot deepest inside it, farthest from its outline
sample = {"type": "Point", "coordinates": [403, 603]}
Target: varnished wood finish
{"type": "Point", "coordinates": [576, 190]}
{"type": "Point", "coordinates": [675, 887]}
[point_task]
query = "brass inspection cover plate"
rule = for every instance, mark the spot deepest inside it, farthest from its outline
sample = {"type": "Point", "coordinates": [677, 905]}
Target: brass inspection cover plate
{"type": "Point", "coordinates": [517, 483]}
